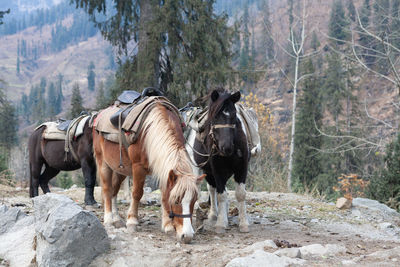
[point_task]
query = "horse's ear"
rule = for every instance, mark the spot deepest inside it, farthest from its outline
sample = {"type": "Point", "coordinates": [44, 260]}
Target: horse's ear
{"type": "Point", "coordinates": [235, 97]}
{"type": "Point", "coordinates": [171, 178]}
{"type": "Point", "coordinates": [214, 95]}
{"type": "Point", "coordinates": [200, 179]}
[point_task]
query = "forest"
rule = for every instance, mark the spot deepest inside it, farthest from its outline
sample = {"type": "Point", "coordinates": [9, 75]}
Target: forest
{"type": "Point", "coordinates": [325, 86]}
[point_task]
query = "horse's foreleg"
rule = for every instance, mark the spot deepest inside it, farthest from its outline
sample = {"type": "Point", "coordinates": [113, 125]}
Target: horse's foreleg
{"type": "Point", "coordinates": [241, 199]}
{"type": "Point", "coordinates": [138, 177]}
{"type": "Point", "coordinates": [212, 215]}
{"type": "Point", "coordinates": [106, 185]}
{"type": "Point", "coordinates": [222, 219]}
{"type": "Point", "coordinates": [116, 184]}
{"type": "Point", "coordinates": [89, 172]}
{"type": "Point", "coordinates": [45, 177]}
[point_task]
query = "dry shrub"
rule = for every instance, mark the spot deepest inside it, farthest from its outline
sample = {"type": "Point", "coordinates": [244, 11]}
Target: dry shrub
{"type": "Point", "coordinates": [267, 171]}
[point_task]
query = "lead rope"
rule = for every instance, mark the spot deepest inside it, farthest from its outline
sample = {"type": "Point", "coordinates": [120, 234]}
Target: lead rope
{"type": "Point", "coordinates": [121, 165]}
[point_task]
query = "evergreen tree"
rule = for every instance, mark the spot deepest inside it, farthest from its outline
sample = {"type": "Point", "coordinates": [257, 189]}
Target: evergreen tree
{"type": "Point", "coordinates": [76, 101]}
{"type": "Point", "coordinates": [101, 100]}
{"type": "Point", "coordinates": [352, 10]}
{"type": "Point", "coordinates": [382, 29]}
{"type": "Point", "coordinates": [385, 184]}
{"type": "Point", "coordinates": [338, 23]}
{"type": "Point", "coordinates": [25, 109]}
{"type": "Point", "coordinates": [59, 94]}
{"type": "Point", "coordinates": [18, 66]}
{"type": "Point", "coordinates": [52, 107]}
{"type": "Point", "coordinates": [307, 160]}
{"type": "Point", "coordinates": [2, 13]}
{"type": "Point", "coordinates": [365, 40]}
{"type": "Point", "coordinates": [268, 42]}
{"type": "Point", "coordinates": [183, 46]}
{"type": "Point", "coordinates": [91, 76]}
{"type": "Point", "coordinates": [8, 125]}
{"type": "Point", "coordinates": [245, 53]}
{"type": "Point", "coordinates": [395, 24]}
{"type": "Point", "coordinates": [314, 41]}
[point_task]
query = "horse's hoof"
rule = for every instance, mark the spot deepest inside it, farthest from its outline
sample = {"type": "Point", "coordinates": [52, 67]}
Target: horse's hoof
{"type": "Point", "coordinates": [220, 230]}
{"type": "Point", "coordinates": [119, 224]}
{"type": "Point", "coordinates": [91, 203]}
{"type": "Point", "coordinates": [244, 228]}
{"type": "Point", "coordinates": [132, 228]}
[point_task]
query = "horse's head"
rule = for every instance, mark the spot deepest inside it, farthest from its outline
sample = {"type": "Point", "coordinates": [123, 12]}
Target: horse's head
{"type": "Point", "coordinates": [182, 193]}
{"type": "Point", "coordinates": [222, 120]}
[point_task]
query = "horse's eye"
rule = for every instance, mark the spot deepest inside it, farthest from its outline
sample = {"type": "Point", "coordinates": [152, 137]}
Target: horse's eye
{"type": "Point", "coordinates": [176, 202]}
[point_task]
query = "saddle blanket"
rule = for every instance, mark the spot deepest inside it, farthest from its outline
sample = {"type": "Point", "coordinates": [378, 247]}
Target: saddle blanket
{"type": "Point", "coordinates": [53, 133]}
{"type": "Point", "coordinates": [131, 124]}
{"type": "Point", "coordinates": [196, 117]}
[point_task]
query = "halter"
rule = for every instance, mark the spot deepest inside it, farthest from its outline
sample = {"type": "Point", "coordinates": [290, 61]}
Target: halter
{"type": "Point", "coordinates": [214, 141]}
{"type": "Point", "coordinates": [172, 215]}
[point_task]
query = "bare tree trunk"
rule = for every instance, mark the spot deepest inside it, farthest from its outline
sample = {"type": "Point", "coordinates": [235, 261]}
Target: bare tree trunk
{"type": "Point", "coordinates": [297, 51]}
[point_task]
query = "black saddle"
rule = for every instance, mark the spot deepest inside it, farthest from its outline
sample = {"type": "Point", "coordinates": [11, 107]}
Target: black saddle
{"type": "Point", "coordinates": [188, 106]}
{"type": "Point", "coordinates": [63, 124]}
{"type": "Point", "coordinates": [132, 98]}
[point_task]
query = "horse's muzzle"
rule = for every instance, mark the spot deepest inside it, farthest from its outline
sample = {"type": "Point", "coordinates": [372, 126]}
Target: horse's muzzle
{"type": "Point", "coordinates": [185, 238]}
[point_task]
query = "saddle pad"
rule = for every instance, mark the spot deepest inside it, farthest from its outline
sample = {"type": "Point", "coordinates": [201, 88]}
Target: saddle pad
{"type": "Point", "coordinates": [249, 120]}
{"type": "Point", "coordinates": [81, 124]}
{"type": "Point", "coordinates": [51, 132]}
{"type": "Point", "coordinates": [102, 122]}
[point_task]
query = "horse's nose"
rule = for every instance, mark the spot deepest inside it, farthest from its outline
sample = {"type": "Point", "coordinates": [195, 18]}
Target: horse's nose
{"type": "Point", "coordinates": [186, 238]}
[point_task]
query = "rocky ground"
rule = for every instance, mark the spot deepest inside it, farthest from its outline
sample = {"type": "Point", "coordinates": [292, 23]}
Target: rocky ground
{"type": "Point", "coordinates": [316, 232]}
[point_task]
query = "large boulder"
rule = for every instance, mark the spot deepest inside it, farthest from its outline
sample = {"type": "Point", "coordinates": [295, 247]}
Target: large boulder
{"type": "Point", "coordinates": [66, 234]}
{"type": "Point", "coordinates": [16, 237]}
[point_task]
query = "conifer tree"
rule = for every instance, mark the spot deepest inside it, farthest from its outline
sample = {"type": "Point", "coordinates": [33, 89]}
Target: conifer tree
{"type": "Point", "coordinates": [314, 41]}
{"type": "Point", "coordinates": [52, 101]}
{"type": "Point", "coordinates": [244, 62]}
{"type": "Point", "coordinates": [101, 100]}
{"type": "Point", "coordinates": [268, 42]}
{"type": "Point", "coordinates": [338, 23]}
{"type": "Point", "coordinates": [8, 125]}
{"type": "Point", "coordinates": [307, 160]}
{"type": "Point", "coordinates": [91, 76]}
{"type": "Point", "coordinates": [76, 101]}
{"type": "Point", "coordinates": [352, 10]}
{"type": "Point", "coordinates": [59, 94]}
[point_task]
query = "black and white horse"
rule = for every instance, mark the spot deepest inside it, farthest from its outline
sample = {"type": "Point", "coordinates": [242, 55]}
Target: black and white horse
{"type": "Point", "coordinates": [220, 150]}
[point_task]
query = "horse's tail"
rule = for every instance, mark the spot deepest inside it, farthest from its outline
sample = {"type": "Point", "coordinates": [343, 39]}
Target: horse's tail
{"type": "Point", "coordinates": [33, 143]}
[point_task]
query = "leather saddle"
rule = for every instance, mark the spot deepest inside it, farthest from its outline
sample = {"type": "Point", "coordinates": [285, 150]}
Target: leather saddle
{"type": "Point", "coordinates": [63, 124]}
{"type": "Point", "coordinates": [131, 99]}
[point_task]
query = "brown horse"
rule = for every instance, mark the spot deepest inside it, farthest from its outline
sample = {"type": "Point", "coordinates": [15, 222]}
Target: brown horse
{"type": "Point", "coordinates": [160, 150]}
{"type": "Point", "coordinates": [51, 154]}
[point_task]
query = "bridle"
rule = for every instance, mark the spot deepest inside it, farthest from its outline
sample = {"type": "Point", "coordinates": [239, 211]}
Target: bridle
{"type": "Point", "coordinates": [212, 136]}
{"type": "Point", "coordinates": [172, 214]}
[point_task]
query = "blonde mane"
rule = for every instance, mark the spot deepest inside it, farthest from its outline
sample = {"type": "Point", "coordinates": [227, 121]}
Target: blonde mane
{"type": "Point", "coordinates": [166, 151]}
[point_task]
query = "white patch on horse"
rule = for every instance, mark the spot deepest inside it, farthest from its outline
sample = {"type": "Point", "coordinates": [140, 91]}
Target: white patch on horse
{"type": "Point", "coordinates": [241, 199]}
{"type": "Point", "coordinates": [187, 229]}
{"type": "Point", "coordinates": [222, 220]}
{"type": "Point", "coordinates": [226, 113]}
{"type": "Point", "coordinates": [212, 215]}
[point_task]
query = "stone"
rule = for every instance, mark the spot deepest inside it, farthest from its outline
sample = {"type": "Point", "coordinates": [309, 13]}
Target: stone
{"type": "Point", "coordinates": [385, 226]}
{"type": "Point", "coordinates": [263, 258]}
{"type": "Point", "coordinates": [320, 250]}
{"type": "Point", "coordinates": [343, 203]}
{"type": "Point", "coordinates": [260, 246]}
{"type": "Point", "coordinates": [16, 243]}
{"type": "Point", "coordinates": [66, 234]}
{"type": "Point", "coordinates": [348, 262]}
{"type": "Point", "coordinates": [289, 252]}
{"type": "Point", "coordinates": [8, 218]}
{"type": "Point", "coordinates": [385, 254]}
{"type": "Point", "coordinates": [374, 205]}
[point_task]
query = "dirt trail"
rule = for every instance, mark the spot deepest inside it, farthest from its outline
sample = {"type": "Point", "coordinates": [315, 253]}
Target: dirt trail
{"type": "Point", "coordinates": [297, 219]}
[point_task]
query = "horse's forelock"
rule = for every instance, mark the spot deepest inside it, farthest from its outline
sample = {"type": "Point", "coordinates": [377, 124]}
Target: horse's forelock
{"type": "Point", "coordinates": [184, 185]}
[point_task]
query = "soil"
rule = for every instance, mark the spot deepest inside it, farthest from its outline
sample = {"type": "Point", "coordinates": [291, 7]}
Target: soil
{"type": "Point", "coordinates": [289, 219]}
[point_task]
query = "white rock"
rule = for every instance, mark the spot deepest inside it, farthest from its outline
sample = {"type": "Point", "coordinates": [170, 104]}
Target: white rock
{"type": "Point", "coordinates": [374, 205]}
{"type": "Point", "coordinates": [385, 226]}
{"type": "Point", "coordinates": [263, 258]}
{"type": "Point", "coordinates": [320, 250]}
{"type": "Point", "coordinates": [260, 246]}
{"type": "Point", "coordinates": [343, 203]}
{"type": "Point", "coordinates": [289, 252]}
{"type": "Point", "coordinates": [348, 262]}
{"type": "Point", "coordinates": [314, 221]}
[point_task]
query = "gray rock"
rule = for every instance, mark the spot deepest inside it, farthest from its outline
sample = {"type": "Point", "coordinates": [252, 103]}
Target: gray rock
{"type": "Point", "coordinates": [385, 226]}
{"type": "Point", "coordinates": [66, 234]}
{"type": "Point", "coordinates": [374, 205]}
{"type": "Point", "coordinates": [320, 250]}
{"type": "Point", "coordinates": [262, 258]}
{"type": "Point", "coordinates": [8, 217]}
{"type": "Point", "coordinates": [289, 252]}
{"type": "Point", "coordinates": [385, 254]}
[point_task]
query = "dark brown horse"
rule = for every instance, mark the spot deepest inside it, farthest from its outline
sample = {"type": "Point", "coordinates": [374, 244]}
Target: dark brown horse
{"type": "Point", "coordinates": [51, 154]}
{"type": "Point", "coordinates": [159, 150]}
{"type": "Point", "coordinates": [221, 151]}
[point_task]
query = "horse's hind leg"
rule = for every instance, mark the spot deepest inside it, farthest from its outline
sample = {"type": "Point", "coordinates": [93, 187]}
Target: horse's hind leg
{"type": "Point", "coordinates": [89, 172]}
{"type": "Point", "coordinates": [35, 170]}
{"type": "Point", "coordinates": [241, 197]}
{"type": "Point", "coordinates": [45, 177]}
{"type": "Point", "coordinates": [138, 177]}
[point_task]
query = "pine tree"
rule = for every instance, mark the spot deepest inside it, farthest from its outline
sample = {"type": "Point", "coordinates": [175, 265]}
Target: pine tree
{"type": "Point", "coordinates": [91, 76]}
{"type": "Point", "coordinates": [59, 94]}
{"type": "Point", "coordinates": [52, 101]}
{"type": "Point", "coordinates": [76, 102]}
{"type": "Point", "coordinates": [307, 160]}
{"type": "Point", "coordinates": [352, 10]}
{"type": "Point", "coordinates": [268, 42]}
{"type": "Point", "coordinates": [244, 62]}
{"type": "Point", "coordinates": [101, 100]}
{"type": "Point", "coordinates": [8, 125]}
{"type": "Point", "coordinates": [338, 23]}
{"type": "Point", "coordinates": [314, 41]}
